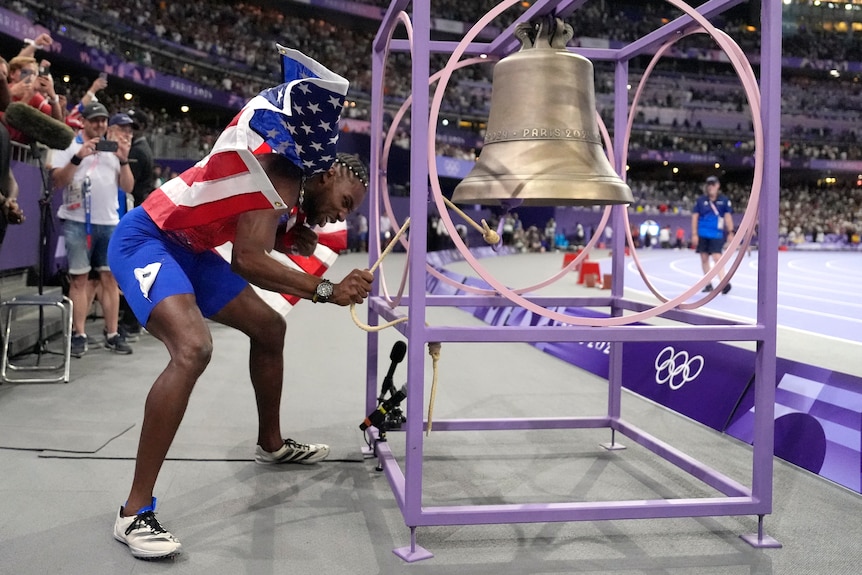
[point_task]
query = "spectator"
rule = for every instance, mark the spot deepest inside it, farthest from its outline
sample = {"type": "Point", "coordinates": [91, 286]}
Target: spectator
{"type": "Point", "coordinates": [508, 235]}
{"type": "Point", "coordinates": [90, 214]}
{"type": "Point", "coordinates": [141, 163]}
{"type": "Point", "coordinates": [362, 231]}
{"type": "Point", "coordinates": [5, 95]}
{"type": "Point", "coordinates": [141, 156]}
{"type": "Point", "coordinates": [443, 241]}
{"type": "Point", "coordinates": [533, 240]}
{"type": "Point", "coordinates": [28, 85]}
{"type": "Point", "coordinates": [73, 118]}
{"type": "Point", "coordinates": [664, 237]}
{"type": "Point", "coordinates": [120, 128]}
{"type": "Point", "coordinates": [580, 235]}
{"type": "Point", "coordinates": [42, 41]}
{"type": "Point", "coordinates": [385, 231]}
{"type": "Point", "coordinates": [10, 212]}
{"type": "Point", "coordinates": [158, 179]}
{"type": "Point", "coordinates": [550, 233]}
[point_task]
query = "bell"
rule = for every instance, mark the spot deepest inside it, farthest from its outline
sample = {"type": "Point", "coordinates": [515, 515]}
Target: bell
{"type": "Point", "coordinates": [542, 145]}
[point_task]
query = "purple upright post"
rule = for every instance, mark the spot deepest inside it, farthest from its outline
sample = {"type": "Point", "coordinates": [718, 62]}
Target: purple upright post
{"type": "Point", "coordinates": [767, 269]}
{"type": "Point", "coordinates": [416, 336]}
{"type": "Point", "coordinates": [617, 247]}
{"type": "Point", "coordinates": [621, 109]}
{"type": "Point", "coordinates": [378, 67]}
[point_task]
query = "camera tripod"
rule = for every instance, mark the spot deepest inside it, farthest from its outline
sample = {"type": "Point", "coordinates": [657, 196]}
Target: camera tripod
{"type": "Point", "coordinates": [40, 300]}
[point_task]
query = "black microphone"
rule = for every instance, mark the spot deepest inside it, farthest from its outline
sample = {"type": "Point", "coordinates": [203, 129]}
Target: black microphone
{"type": "Point", "coordinates": [399, 350]}
{"type": "Point", "coordinates": [38, 126]}
{"type": "Point", "coordinates": [378, 416]}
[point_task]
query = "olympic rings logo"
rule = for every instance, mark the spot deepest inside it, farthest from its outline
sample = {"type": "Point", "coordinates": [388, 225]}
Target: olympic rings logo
{"type": "Point", "coordinates": [676, 368]}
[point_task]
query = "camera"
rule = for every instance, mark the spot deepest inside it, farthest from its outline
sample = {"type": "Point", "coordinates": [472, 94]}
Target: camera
{"type": "Point", "coordinates": [394, 419]}
{"type": "Point", "coordinates": [388, 414]}
{"type": "Point", "coordinates": [107, 146]}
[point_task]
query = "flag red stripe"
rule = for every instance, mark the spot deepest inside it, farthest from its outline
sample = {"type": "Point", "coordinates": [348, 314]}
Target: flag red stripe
{"type": "Point", "coordinates": [310, 265]}
{"type": "Point", "coordinates": [336, 241]}
{"type": "Point", "coordinates": [220, 165]}
{"type": "Point", "coordinates": [170, 216]}
{"type": "Point", "coordinates": [264, 148]}
{"type": "Point", "coordinates": [291, 299]}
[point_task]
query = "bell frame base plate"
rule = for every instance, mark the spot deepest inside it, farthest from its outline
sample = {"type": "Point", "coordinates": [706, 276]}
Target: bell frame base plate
{"type": "Point", "coordinates": [764, 542]}
{"type": "Point", "coordinates": [412, 554]}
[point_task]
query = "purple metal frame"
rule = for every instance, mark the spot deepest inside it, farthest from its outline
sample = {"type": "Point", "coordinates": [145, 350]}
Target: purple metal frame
{"type": "Point", "coordinates": [406, 483]}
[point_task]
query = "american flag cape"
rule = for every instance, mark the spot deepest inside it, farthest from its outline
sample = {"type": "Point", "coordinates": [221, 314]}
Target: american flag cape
{"type": "Point", "coordinates": [297, 119]}
{"type": "Point", "coordinates": [332, 238]}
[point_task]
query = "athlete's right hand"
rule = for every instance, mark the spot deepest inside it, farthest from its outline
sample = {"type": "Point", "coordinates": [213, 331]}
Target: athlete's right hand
{"type": "Point", "coordinates": [353, 288]}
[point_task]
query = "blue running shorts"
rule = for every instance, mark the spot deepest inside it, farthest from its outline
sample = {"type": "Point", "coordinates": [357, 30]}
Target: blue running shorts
{"type": "Point", "coordinates": [709, 245]}
{"type": "Point", "coordinates": [149, 267]}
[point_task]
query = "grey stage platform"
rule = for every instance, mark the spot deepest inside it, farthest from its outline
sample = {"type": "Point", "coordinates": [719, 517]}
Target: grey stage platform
{"type": "Point", "coordinates": [69, 449]}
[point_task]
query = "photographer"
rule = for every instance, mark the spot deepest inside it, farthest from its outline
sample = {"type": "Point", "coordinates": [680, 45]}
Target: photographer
{"type": "Point", "coordinates": [91, 170]}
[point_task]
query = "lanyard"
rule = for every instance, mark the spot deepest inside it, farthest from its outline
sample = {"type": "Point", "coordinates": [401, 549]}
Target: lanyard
{"type": "Point", "coordinates": [86, 191]}
{"type": "Point", "coordinates": [714, 209]}
{"type": "Point", "coordinates": [86, 188]}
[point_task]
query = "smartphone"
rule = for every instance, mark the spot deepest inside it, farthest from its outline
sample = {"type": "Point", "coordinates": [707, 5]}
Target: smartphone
{"type": "Point", "coordinates": [44, 70]}
{"type": "Point", "coordinates": [26, 73]}
{"type": "Point", "coordinates": [103, 75]}
{"type": "Point", "coordinates": [107, 146]}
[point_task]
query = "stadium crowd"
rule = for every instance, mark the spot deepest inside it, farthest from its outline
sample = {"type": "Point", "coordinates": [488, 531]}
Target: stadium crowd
{"type": "Point", "coordinates": [221, 40]}
{"type": "Point", "coordinates": [230, 48]}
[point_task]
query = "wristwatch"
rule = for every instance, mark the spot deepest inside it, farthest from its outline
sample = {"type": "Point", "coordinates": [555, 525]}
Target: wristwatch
{"type": "Point", "coordinates": [322, 292]}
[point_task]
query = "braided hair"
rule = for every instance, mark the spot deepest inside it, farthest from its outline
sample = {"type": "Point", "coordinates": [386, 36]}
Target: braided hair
{"type": "Point", "coordinates": [352, 164]}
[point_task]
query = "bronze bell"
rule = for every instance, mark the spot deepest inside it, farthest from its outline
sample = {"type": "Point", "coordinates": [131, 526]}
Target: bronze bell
{"type": "Point", "coordinates": [542, 145]}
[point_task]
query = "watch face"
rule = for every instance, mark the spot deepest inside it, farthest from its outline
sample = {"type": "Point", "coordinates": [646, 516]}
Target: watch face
{"type": "Point", "coordinates": [324, 290]}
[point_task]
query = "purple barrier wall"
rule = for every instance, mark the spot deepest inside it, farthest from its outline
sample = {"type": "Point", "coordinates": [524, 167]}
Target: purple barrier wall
{"type": "Point", "coordinates": [818, 421]}
{"type": "Point", "coordinates": [818, 412]}
{"type": "Point", "coordinates": [21, 246]}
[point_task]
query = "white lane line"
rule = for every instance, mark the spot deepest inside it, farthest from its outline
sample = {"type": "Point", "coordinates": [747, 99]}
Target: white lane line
{"type": "Point", "coordinates": [735, 317]}
{"type": "Point", "coordinates": [682, 267]}
{"type": "Point", "coordinates": [783, 284]}
{"type": "Point", "coordinates": [805, 265]}
{"type": "Point", "coordinates": [834, 265]}
{"type": "Point", "coordinates": [782, 293]}
{"type": "Point", "coordinates": [812, 275]}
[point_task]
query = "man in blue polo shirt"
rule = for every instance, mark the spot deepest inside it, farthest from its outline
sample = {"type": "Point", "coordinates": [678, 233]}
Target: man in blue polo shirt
{"type": "Point", "coordinates": [710, 221]}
